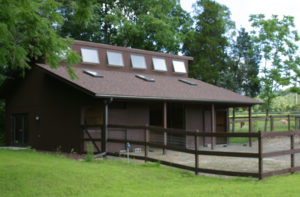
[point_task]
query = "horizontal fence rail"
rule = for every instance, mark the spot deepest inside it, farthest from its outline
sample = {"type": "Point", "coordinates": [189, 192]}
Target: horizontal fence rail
{"type": "Point", "coordinates": [146, 143]}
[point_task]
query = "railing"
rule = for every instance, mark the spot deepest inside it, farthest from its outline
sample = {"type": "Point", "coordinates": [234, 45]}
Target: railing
{"type": "Point", "coordinates": [145, 143]}
{"type": "Point", "coordinates": [287, 119]}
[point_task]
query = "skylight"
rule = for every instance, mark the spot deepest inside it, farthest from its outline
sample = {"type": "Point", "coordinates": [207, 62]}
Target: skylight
{"type": "Point", "coordinates": [138, 61]}
{"type": "Point", "coordinates": [92, 73]}
{"type": "Point", "coordinates": [159, 64]}
{"type": "Point", "coordinates": [179, 66]}
{"type": "Point", "coordinates": [187, 82]}
{"type": "Point", "coordinates": [143, 77]}
{"type": "Point", "coordinates": [90, 55]}
{"type": "Point", "coordinates": [115, 58]}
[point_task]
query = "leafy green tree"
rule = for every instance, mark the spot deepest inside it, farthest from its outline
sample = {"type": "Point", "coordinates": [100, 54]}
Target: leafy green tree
{"type": "Point", "coordinates": [208, 41]}
{"type": "Point", "coordinates": [244, 65]}
{"type": "Point", "coordinates": [28, 35]}
{"type": "Point", "coordinates": [156, 25]}
{"type": "Point", "coordinates": [276, 39]}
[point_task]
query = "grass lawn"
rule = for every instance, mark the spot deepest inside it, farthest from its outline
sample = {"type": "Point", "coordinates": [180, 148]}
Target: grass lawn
{"type": "Point", "coordinates": [29, 173]}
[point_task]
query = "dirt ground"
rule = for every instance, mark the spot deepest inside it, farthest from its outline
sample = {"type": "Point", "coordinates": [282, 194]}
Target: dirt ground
{"type": "Point", "coordinates": [235, 163]}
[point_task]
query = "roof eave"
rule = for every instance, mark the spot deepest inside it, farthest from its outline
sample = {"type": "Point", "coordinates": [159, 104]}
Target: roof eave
{"type": "Point", "coordinates": [175, 99]}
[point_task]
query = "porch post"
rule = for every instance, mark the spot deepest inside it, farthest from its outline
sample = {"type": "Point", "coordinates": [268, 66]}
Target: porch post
{"type": "Point", "coordinates": [105, 123]}
{"type": "Point", "coordinates": [213, 125]}
{"type": "Point", "coordinates": [203, 121]}
{"type": "Point", "coordinates": [165, 127]}
{"type": "Point", "coordinates": [250, 125]}
{"type": "Point", "coordinates": [233, 119]}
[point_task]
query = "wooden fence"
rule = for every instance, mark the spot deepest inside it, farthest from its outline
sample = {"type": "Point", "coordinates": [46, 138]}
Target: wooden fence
{"type": "Point", "coordinates": [271, 118]}
{"type": "Point", "coordinates": [260, 155]}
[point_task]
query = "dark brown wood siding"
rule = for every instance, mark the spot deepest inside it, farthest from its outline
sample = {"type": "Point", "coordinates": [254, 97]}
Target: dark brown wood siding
{"type": "Point", "coordinates": [58, 106]}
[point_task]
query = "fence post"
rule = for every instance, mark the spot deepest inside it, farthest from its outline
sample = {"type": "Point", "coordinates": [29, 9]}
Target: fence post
{"type": "Point", "coordinates": [289, 123]}
{"type": "Point", "coordinates": [260, 158]}
{"type": "Point", "coordinates": [146, 142]}
{"type": "Point", "coordinates": [233, 119]}
{"type": "Point", "coordinates": [213, 125]}
{"type": "Point", "coordinates": [196, 153]}
{"type": "Point", "coordinates": [292, 153]}
{"type": "Point", "coordinates": [165, 127]}
{"type": "Point", "coordinates": [126, 138]}
{"type": "Point", "coordinates": [271, 123]}
{"type": "Point", "coordinates": [250, 125]}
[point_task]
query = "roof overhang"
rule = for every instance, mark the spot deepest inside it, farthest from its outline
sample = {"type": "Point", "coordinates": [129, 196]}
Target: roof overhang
{"type": "Point", "coordinates": [173, 99]}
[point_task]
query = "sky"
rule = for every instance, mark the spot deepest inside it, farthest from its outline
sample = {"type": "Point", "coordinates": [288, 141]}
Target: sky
{"type": "Point", "coordinates": [241, 9]}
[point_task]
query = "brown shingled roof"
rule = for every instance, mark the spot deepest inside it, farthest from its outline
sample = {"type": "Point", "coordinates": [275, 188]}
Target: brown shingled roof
{"type": "Point", "coordinates": [118, 84]}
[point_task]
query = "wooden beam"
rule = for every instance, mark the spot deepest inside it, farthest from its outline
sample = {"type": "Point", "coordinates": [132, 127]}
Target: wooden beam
{"type": "Point", "coordinates": [289, 122]}
{"type": "Point", "coordinates": [203, 127]}
{"type": "Point", "coordinates": [250, 125]}
{"type": "Point", "coordinates": [292, 154]}
{"type": "Point", "coordinates": [213, 125]}
{"type": "Point", "coordinates": [146, 142]}
{"type": "Point", "coordinates": [196, 153]}
{"type": "Point", "coordinates": [260, 157]}
{"type": "Point", "coordinates": [105, 130]}
{"type": "Point", "coordinates": [165, 126]}
{"type": "Point", "coordinates": [233, 119]}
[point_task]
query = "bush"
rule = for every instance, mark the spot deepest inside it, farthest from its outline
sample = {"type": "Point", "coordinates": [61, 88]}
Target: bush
{"type": "Point", "coordinates": [90, 153]}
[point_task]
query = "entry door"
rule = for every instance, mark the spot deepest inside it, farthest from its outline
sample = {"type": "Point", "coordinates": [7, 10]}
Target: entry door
{"type": "Point", "coordinates": [20, 129]}
{"type": "Point", "coordinates": [221, 126]}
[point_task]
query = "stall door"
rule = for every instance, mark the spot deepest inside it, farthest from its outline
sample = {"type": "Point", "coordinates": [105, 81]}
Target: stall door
{"type": "Point", "coordinates": [221, 126]}
{"type": "Point", "coordinates": [20, 129]}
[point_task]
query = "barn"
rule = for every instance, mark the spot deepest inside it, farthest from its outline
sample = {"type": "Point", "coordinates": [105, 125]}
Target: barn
{"type": "Point", "coordinates": [116, 85]}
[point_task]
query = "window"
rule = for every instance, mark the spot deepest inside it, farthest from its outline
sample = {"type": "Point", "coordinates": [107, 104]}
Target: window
{"type": "Point", "coordinates": [90, 55]}
{"type": "Point", "coordinates": [179, 66]}
{"type": "Point", "coordinates": [187, 82]}
{"type": "Point", "coordinates": [145, 78]}
{"type": "Point", "coordinates": [92, 73]}
{"type": "Point", "coordinates": [159, 64]}
{"type": "Point", "coordinates": [138, 61]}
{"type": "Point", "coordinates": [115, 58]}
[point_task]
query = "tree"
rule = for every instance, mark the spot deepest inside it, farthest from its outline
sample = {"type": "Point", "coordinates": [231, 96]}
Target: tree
{"type": "Point", "coordinates": [155, 25]}
{"type": "Point", "coordinates": [207, 42]}
{"type": "Point", "coordinates": [276, 39]}
{"type": "Point", "coordinates": [244, 65]}
{"type": "Point", "coordinates": [28, 35]}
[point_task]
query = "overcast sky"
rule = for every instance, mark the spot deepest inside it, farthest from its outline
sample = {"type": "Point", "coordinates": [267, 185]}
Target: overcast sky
{"type": "Point", "coordinates": [241, 9]}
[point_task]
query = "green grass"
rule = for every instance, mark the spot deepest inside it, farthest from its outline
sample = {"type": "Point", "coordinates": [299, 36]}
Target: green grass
{"type": "Point", "coordinates": [28, 173]}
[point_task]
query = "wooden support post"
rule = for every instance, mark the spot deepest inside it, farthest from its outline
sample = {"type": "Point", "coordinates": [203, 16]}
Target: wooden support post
{"type": "Point", "coordinates": [126, 138]}
{"type": "Point", "coordinates": [233, 119]}
{"type": "Point", "coordinates": [250, 125]}
{"type": "Point", "coordinates": [289, 122]}
{"type": "Point", "coordinates": [203, 127]}
{"type": "Point", "coordinates": [271, 123]}
{"type": "Point", "coordinates": [292, 154]}
{"type": "Point", "coordinates": [196, 153]}
{"type": "Point", "coordinates": [146, 143]}
{"type": "Point", "coordinates": [105, 131]}
{"type": "Point", "coordinates": [260, 158]}
{"type": "Point", "coordinates": [165, 126]}
{"type": "Point", "coordinates": [213, 125]}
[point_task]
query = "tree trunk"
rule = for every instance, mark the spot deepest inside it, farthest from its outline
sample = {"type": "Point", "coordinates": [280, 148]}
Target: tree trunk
{"type": "Point", "coordinates": [266, 120]}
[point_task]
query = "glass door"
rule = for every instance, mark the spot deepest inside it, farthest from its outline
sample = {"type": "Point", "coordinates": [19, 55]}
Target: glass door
{"type": "Point", "coordinates": [20, 129]}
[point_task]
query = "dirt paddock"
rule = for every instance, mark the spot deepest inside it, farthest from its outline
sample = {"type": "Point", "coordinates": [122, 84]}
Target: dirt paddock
{"type": "Point", "coordinates": [235, 163]}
